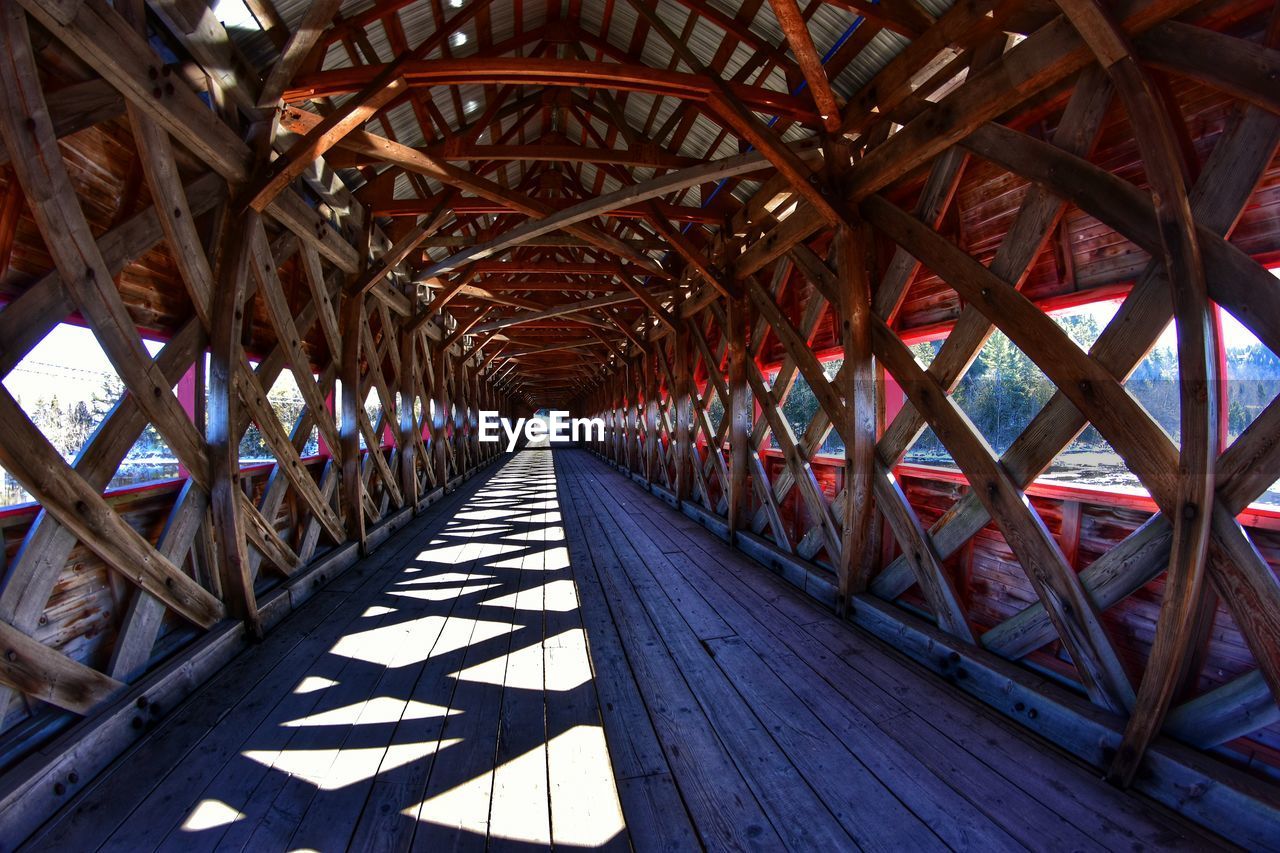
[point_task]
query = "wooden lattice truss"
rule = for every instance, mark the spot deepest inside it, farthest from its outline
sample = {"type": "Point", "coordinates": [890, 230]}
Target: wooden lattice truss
{"type": "Point", "coordinates": [338, 321]}
{"type": "Point", "coordinates": [658, 424]}
{"type": "Point", "coordinates": [589, 258]}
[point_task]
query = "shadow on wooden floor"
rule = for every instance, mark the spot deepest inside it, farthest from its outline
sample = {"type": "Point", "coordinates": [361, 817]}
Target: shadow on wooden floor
{"type": "Point", "coordinates": [551, 649]}
{"type": "Point", "coordinates": [455, 708]}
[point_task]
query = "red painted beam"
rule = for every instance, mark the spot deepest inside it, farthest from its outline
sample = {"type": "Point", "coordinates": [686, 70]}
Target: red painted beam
{"type": "Point", "coordinates": [646, 156]}
{"type": "Point", "coordinates": [475, 206]}
{"type": "Point", "coordinates": [553, 286]}
{"type": "Point", "coordinates": [572, 73]}
{"type": "Point", "coordinates": [565, 268]}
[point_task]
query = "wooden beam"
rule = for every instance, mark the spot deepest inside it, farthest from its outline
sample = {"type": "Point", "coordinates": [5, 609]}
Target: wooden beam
{"type": "Point", "coordinates": [1197, 379]}
{"type": "Point", "coordinates": [1223, 189]}
{"type": "Point", "coordinates": [381, 91]}
{"type": "Point", "coordinates": [797, 347]}
{"type": "Point", "coordinates": [462, 241]}
{"type": "Point", "coordinates": [662, 185]}
{"type": "Point", "coordinates": [396, 255]}
{"type": "Point", "coordinates": [78, 106]}
{"type": "Point", "coordinates": [1099, 396]}
{"type": "Point", "coordinates": [728, 107]}
{"type": "Point", "coordinates": [473, 206]}
{"type": "Point", "coordinates": [681, 393]}
{"type": "Point", "coordinates": [638, 156]}
{"type": "Point", "coordinates": [29, 457]}
{"type": "Point", "coordinates": [906, 18]}
{"type": "Point", "coordinates": [387, 85]}
{"type": "Point", "coordinates": [550, 71]}
{"type": "Point", "coordinates": [1057, 585]}
{"type": "Point", "coordinates": [676, 239]}
{"type": "Point", "coordinates": [562, 310]}
{"type": "Point", "coordinates": [854, 259]}
{"type": "Point", "coordinates": [108, 43]}
{"type": "Point", "coordinates": [223, 417]}
{"type": "Point", "coordinates": [280, 316]}
{"type": "Point", "coordinates": [738, 411]}
{"type": "Point", "coordinates": [296, 49]}
{"type": "Point", "coordinates": [1241, 68]}
{"type": "Point", "coordinates": [98, 35]}
{"type": "Point", "coordinates": [31, 667]}
{"type": "Point", "coordinates": [1045, 58]}
{"type": "Point", "coordinates": [37, 160]}
{"type": "Point", "coordinates": [439, 418]}
{"type": "Point", "coordinates": [796, 31]}
{"type": "Point", "coordinates": [416, 161]}
{"type": "Point", "coordinates": [352, 404]}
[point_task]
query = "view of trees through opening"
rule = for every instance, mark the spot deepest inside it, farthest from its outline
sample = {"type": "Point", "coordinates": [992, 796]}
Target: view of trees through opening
{"type": "Point", "coordinates": [1003, 390]}
{"type": "Point", "coordinates": [68, 387]}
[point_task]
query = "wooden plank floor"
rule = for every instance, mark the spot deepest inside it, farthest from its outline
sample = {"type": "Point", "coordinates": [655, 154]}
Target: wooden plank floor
{"type": "Point", "coordinates": [551, 657]}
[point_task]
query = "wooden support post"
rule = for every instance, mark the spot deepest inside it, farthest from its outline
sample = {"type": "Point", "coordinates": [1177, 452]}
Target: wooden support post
{"type": "Point", "coordinates": [683, 399]}
{"type": "Point", "coordinates": [439, 452]}
{"type": "Point", "coordinates": [473, 411]}
{"type": "Point", "coordinates": [615, 425]}
{"type": "Point", "coordinates": [739, 414]}
{"type": "Point", "coordinates": [349, 435]}
{"type": "Point", "coordinates": [222, 435]}
{"type": "Point", "coordinates": [635, 378]}
{"type": "Point", "coordinates": [650, 417]}
{"type": "Point", "coordinates": [857, 557]}
{"type": "Point", "coordinates": [408, 393]}
{"type": "Point", "coordinates": [1156, 138]}
{"type": "Point", "coordinates": [624, 414]}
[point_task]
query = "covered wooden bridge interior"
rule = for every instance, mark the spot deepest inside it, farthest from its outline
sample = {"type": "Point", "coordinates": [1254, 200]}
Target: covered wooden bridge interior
{"type": "Point", "coordinates": [742, 615]}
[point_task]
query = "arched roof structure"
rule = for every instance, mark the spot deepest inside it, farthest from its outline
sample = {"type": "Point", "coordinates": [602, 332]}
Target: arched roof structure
{"type": "Point", "coordinates": [722, 229]}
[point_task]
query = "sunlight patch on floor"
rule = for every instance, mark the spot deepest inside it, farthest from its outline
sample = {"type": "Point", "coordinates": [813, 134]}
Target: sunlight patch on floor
{"type": "Point", "coordinates": [379, 709]}
{"type": "Point", "coordinates": [521, 669]}
{"type": "Point", "coordinates": [558, 597]}
{"type": "Point", "coordinates": [555, 559]}
{"type": "Point", "coordinates": [516, 562]}
{"type": "Point", "coordinates": [510, 802]}
{"type": "Point", "coordinates": [385, 645]}
{"type": "Point", "coordinates": [312, 683]}
{"type": "Point", "coordinates": [443, 577]}
{"type": "Point", "coordinates": [321, 767]}
{"type": "Point", "coordinates": [485, 550]}
{"type": "Point", "coordinates": [210, 814]}
{"type": "Point", "coordinates": [443, 593]}
{"type": "Point", "coordinates": [551, 516]}
{"type": "Point", "coordinates": [491, 493]}
{"type": "Point", "coordinates": [444, 553]}
{"type": "Point", "coordinates": [491, 531]}
{"type": "Point", "coordinates": [465, 807]}
{"type": "Point", "coordinates": [585, 810]}
{"type": "Point", "coordinates": [482, 514]}
{"type": "Point", "coordinates": [567, 665]}
{"type": "Point", "coordinates": [567, 662]}
{"type": "Point", "coordinates": [519, 809]}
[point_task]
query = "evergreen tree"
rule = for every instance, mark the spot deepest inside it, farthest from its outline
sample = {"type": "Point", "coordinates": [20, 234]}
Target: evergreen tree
{"type": "Point", "coordinates": [80, 424]}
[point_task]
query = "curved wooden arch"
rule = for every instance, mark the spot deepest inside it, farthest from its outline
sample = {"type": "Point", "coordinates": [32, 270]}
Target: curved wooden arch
{"type": "Point", "coordinates": [573, 73]}
{"type": "Point", "coordinates": [1198, 361]}
{"type": "Point", "coordinates": [1230, 177]}
{"type": "Point", "coordinates": [565, 243]}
